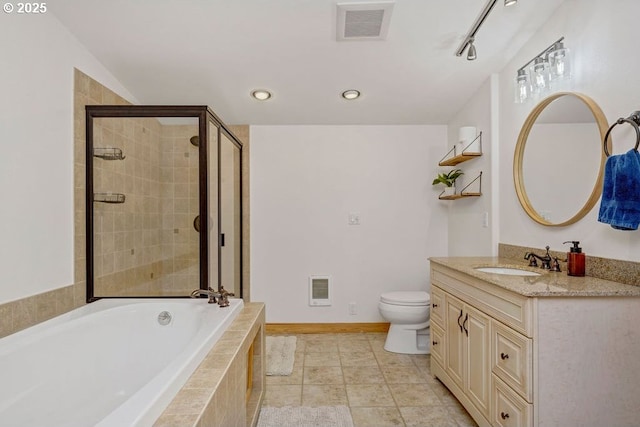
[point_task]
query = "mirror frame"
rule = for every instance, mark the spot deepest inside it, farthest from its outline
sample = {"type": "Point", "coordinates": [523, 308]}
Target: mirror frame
{"type": "Point", "coordinates": [518, 158]}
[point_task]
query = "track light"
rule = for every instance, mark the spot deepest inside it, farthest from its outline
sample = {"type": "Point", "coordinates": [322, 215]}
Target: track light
{"type": "Point", "coordinates": [471, 53]}
{"type": "Point", "coordinates": [469, 38]}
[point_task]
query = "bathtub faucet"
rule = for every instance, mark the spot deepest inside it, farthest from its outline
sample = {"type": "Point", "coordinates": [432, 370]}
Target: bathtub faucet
{"type": "Point", "coordinates": [210, 293]}
{"type": "Point", "coordinates": [220, 297]}
{"type": "Point", "coordinates": [224, 297]}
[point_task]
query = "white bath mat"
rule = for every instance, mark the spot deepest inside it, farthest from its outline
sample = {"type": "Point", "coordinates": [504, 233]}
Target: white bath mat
{"type": "Point", "coordinates": [280, 355]}
{"type": "Point", "coordinates": [305, 416]}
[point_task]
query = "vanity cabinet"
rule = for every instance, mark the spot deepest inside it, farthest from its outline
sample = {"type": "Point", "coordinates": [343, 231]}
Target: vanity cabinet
{"type": "Point", "coordinates": [467, 338]}
{"type": "Point", "coordinates": [522, 360]}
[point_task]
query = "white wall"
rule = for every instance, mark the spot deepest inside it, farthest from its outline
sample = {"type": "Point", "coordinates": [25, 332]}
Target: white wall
{"type": "Point", "coordinates": [468, 235]}
{"type": "Point", "coordinates": [305, 180]}
{"type": "Point", "coordinates": [602, 38]}
{"type": "Point", "coordinates": [36, 165]}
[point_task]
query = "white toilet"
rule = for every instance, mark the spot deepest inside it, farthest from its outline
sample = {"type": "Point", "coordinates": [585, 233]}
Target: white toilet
{"type": "Point", "coordinates": [408, 313]}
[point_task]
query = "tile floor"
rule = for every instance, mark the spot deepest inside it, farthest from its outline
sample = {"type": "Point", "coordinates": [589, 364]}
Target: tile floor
{"type": "Point", "coordinates": [380, 388]}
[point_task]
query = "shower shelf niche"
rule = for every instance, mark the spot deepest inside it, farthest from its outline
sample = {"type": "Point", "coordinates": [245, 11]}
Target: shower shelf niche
{"type": "Point", "coordinates": [108, 153]}
{"type": "Point", "coordinates": [108, 197]}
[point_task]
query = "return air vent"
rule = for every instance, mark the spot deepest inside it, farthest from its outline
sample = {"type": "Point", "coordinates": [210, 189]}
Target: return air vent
{"type": "Point", "coordinates": [363, 21]}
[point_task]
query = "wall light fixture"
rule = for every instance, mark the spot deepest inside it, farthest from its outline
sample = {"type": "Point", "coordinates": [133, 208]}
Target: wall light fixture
{"type": "Point", "coordinates": [540, 73]}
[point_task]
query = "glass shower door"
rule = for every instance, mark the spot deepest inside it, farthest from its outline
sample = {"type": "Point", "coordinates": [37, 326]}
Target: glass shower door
{"type": "Point", "coordinates": [230, 215]}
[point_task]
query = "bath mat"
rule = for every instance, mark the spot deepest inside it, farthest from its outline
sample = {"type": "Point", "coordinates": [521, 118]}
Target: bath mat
{"type": "Point", "coordinates": [305, 416]}
{"type": "Point", "coordinates": [280, 355]}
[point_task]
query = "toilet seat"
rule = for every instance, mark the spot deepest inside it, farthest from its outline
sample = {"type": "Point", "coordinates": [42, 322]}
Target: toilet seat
{"type": "Point", "coordinates": [406, 298]}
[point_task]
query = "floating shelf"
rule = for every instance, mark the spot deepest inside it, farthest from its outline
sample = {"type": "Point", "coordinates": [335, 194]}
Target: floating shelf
{"type": "Point", "coordinates": [462, 192]}
{"type": "Point", "coordinates": [462, 157]}
{"type": "Point", "coordinates": [459, 196]}
{"type": "Point", "coordinates": [452, 161]}
{"type": "Point", "coordinates": [108, 197]}
{"type": "Point", "coordinates": [108, 153]}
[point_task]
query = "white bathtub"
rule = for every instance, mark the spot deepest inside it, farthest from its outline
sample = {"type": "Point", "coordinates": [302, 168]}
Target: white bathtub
{"type": "Point", "coordinates": [109, 363]}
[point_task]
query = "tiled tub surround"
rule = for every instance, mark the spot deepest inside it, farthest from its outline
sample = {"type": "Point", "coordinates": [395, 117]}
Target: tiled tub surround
{"type": "Point", "coordinates": [531, 351]}
{"type": "Point", "coordinates": [604, 268]}
{"type": "Point", "coordinates": [217, 392]}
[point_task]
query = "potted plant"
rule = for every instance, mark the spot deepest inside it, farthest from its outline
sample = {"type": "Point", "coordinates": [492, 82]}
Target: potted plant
{"type": "Point", "coordinates": [449, 180]}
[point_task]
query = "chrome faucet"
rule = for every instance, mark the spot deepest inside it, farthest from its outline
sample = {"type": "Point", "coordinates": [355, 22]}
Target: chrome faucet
{"type": "Point", "coordinates": [545, 260]}
{"type": "Point", "coordinates": [210, 293]}
{"type": "Point", "coordinates": [220, 297]}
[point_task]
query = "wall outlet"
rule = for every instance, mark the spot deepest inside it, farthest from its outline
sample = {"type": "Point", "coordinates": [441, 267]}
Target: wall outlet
{"type": "Point", "coordinates": [353, 308]}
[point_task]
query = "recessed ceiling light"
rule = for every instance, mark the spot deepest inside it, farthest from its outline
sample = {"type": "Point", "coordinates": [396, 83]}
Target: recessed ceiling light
{"type": "Point", "coordinates": [261, 94]}
{"type": "Point", "coordinates": [351, 94]}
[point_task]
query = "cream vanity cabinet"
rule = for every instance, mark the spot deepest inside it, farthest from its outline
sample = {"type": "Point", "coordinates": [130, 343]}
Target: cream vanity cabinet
{"type": "Point", "coordinates": [520, 360]}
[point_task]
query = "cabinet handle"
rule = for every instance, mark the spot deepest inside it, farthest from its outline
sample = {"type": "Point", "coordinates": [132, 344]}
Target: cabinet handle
{"type": "Point", "coordinates": [434, 305]}
{"type": "Point", "coordinates": [504, 356]}
{"type": "Point", "coordinates": [504, 415]}
{"type": "Point", "coordinates": [434, 342]}
{"type": "Point", "coordinates": [460, 317]}
{"type": "Point", "coordinates": [466, 317]}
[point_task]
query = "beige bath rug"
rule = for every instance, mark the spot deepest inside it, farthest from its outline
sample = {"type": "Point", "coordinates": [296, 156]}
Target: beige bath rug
{"type": "Point", "coordinates": [305, 416]}
{"type": "Point", "coordinates": [280, 355]}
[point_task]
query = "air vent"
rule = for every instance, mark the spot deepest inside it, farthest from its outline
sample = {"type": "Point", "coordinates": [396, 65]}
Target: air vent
{"type": "Point", "coordinates": [363, 21]}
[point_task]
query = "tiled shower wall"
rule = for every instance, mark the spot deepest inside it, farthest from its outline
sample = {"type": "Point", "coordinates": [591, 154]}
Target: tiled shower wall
{"type": "Point", "coordinates": [146, 245]}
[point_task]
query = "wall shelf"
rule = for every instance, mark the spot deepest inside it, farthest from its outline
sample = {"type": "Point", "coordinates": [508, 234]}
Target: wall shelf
{"type": "Point", "coordinates": [459, 196]}
{"type": "Point", "coordinates": [463, 193]}
{"type": "Point", "coordinates": [108, 153]}
{"type": "Point", "coordinates": [109, 197]}
{"type": "Point", "coordinates": [463, 156]}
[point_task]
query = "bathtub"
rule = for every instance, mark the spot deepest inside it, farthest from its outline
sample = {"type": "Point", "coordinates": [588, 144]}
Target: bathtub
{"type": "Point", "coordinates": [114, 362]}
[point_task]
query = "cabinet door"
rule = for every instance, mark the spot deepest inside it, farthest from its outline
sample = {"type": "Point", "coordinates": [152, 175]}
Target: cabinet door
{"type": "Point", "coordinates": [454, 340]}
{"type": "Point", "coordinates": [477, 328]}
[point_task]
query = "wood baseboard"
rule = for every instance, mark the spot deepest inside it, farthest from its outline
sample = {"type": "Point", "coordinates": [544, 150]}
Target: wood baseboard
{"type": "Point", "coordinates": [325, 328]}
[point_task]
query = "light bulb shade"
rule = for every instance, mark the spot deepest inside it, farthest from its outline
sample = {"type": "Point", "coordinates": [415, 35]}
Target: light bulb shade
{"type": "Point", "coordinates": [471, 53]}
{"type": "Point", "coordinates": [522, 87]}
{"type": "Point", "coordinates": [539, 73]}
{"type": "Point", "coordinates": [560, 62]}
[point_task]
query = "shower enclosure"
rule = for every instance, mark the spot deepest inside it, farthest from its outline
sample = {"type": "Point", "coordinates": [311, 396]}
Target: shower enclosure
{"type": "Point", "coordinates": [153, 174]}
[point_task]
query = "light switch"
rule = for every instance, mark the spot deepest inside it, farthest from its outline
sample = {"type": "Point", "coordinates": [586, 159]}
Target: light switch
{"type": "Point", "coordinates": [354, 218]}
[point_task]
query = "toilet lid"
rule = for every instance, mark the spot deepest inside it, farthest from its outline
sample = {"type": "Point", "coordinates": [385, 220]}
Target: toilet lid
{"type": "Point", "coordinates": [406, 298]}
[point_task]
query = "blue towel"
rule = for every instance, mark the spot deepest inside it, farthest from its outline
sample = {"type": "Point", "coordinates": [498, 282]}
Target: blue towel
{"type": "Point", "coordinates": [620, 204]}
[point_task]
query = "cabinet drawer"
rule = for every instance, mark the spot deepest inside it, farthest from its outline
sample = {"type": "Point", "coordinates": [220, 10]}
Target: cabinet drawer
{"type": "Point", "coordinates": [511, 356]}
{"type": "Point", "coordinates": [437, 306]}
{"type": "Point", "coordinates": [509, 409]}
{"type": "Point", "coordinates": [437, 344]}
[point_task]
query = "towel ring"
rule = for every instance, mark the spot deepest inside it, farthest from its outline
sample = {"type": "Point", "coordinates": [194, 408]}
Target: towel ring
{"type": "Point", "coordinates": [633, 120]}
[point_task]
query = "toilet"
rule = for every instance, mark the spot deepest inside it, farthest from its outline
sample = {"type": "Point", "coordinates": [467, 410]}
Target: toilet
{"type": "Point", "coordinates": [408, 313]}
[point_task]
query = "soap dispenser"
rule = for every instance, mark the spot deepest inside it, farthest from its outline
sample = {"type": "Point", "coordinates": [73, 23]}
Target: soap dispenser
{"type": "Point", "coordinates": [575, 260]}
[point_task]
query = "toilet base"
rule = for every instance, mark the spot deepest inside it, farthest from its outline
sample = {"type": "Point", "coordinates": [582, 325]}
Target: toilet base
{"type": "Point", "coordinates": [408, 341]}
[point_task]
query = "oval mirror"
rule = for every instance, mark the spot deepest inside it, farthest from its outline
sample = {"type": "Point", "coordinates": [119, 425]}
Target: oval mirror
{"type": "Point", "coordinates": [559, 161]}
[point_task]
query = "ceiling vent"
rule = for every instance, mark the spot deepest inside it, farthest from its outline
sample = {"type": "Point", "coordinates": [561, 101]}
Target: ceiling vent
{"type": "Point", "coordinates": [363, 21]}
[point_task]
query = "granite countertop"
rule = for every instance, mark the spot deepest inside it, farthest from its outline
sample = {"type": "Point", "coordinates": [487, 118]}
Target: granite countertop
{"type": "Point", "coordinates": [548, 284]}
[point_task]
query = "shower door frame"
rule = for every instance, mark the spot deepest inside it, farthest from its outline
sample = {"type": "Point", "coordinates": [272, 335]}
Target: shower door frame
{"type": "Point", "coordinates": [204, 115]}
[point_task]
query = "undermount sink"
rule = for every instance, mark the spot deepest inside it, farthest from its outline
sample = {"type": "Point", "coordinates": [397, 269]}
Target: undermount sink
{"type": "Point", "coordinates": [509, 271]}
